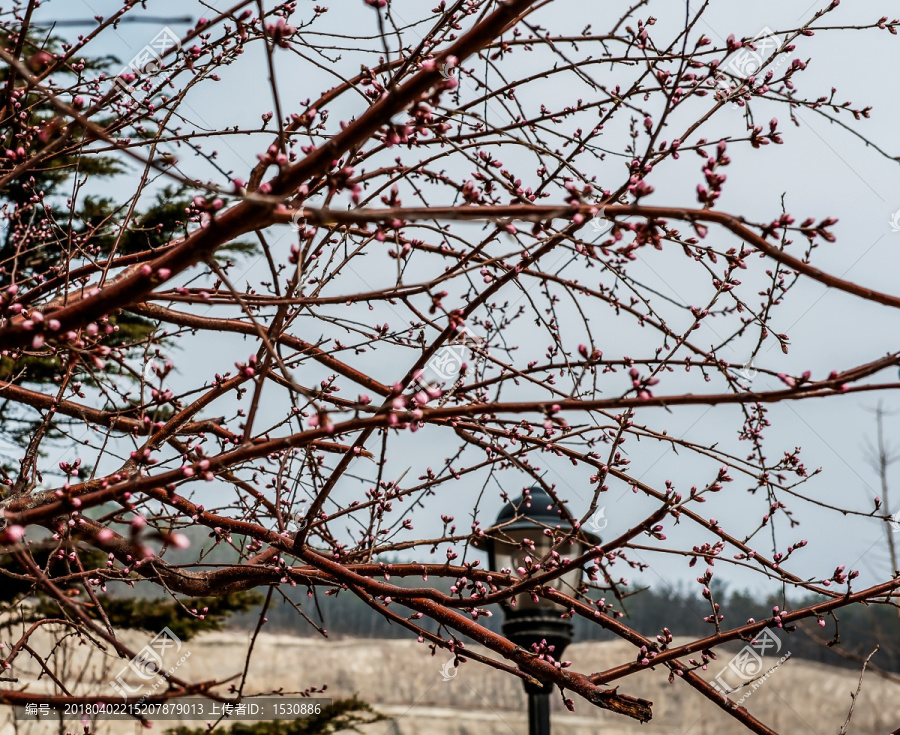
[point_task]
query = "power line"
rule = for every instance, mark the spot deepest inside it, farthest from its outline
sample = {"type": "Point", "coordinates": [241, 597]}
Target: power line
{"type": "Point", "coordinates": [126, 19]}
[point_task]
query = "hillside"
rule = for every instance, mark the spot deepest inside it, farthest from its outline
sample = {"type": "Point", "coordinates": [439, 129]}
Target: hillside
{"type": "Point", "coordinates": [404, 681]}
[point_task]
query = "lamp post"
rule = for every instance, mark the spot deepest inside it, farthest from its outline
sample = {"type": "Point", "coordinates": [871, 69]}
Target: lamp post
{"type": "Point", "coordinates": [527, 622]}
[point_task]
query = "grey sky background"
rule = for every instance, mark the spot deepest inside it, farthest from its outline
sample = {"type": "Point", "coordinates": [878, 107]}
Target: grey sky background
{"type": "Point", "coordinates": [822, 170]}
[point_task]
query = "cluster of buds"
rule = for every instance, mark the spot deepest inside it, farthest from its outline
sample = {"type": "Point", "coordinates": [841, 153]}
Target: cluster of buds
{"type": "Point", "coordinates": [792, 382]}
{"type": "Point", "coordinates": [706, 655]}
{"type": "Point", "coordinates": [447, 68]}
{"type": "Point", "coordinates": [591, 355]}
{"type": "Point", "coordinates": [321, 419]}
{"type": "Point", "coordinates": [202, 210]}
{"type": "Point", "coordinates": [757, 140]}
{"type": "Point", "coordinates": [705, 579]}
{"type": "Point", "coordinates": [143, 456]}
{"type": "Point", "coordinates": [637, 187]}
{"type": "Point", "coordinates": [248, 369]}
{"type": "Point", "coordinates": [708, 196]}
{"type": "Point", "coordinates": [273, 154]}
{"type": "Point", "coordinates": [642, 385]}
{"type": "Point", "coordinates": [33, 320]}
{"type": "Point", "coordinates": [839, 577]}
{"type": "Point", "coordinates": [16, 156]}
{"type": "Point", "coordinates": [70, 469]}
{"type": "Point", "coordinates": [280, 32]}
{"type": "Point", "coordinates": [812, 230]}
{"type": "Point", "coordinates": [646, 654]}
{"type": "Point", "coordinates": [544, 652]}
{"type": "Point", "coordinates": [707, 551]}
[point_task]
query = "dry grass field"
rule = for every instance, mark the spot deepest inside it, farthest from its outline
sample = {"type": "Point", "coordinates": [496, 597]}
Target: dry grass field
{"type": "Point", "coordinates": [402, 680]}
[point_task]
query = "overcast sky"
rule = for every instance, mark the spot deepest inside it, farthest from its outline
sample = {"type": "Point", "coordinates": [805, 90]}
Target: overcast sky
{"type": "Point", "coordinates": [822, 170]}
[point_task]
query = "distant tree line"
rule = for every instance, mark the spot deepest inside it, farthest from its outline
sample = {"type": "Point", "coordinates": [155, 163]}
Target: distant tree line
{"type": "Point", "coordinates": [856, 628]}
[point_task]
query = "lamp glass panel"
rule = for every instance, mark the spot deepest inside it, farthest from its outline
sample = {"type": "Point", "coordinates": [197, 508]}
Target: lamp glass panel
{"type": "Point", "coordinates": [512, 556]}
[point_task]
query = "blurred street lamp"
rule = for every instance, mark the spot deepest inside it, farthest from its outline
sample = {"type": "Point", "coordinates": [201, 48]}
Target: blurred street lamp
{"type": "Point", "coordinates": [526, 622]}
